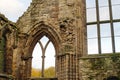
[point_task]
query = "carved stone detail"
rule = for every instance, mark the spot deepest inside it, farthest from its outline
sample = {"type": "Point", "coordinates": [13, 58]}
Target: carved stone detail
{"type": "Point", "coordinates": [67, 30]}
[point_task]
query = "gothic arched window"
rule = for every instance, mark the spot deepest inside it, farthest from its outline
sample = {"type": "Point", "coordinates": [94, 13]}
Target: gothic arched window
{"type": "Point", "coordinates": [44, 57]}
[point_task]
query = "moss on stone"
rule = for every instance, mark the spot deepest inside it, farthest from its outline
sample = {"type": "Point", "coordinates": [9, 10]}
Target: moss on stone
{"type": "Point", "coordinates": [2, 49]}
{"type": "Point", "coordinates": [1, 61]}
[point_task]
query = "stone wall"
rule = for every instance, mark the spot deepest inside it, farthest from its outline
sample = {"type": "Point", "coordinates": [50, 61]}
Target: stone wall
{"type": "Point", "coordinates": [64, 23]}
{"type": "Point", "coordinates": [2, 42]}
{"type": "Point", "coordinates": [8, 31]}
{"type": "Point", "coordinates": [99, 67]}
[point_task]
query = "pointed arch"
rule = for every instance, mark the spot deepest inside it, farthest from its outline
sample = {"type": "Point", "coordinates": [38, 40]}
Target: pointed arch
{"type": "Point", "coordinates": [40, 30]}
{"type": "Point", "coordinates": [35, 34]}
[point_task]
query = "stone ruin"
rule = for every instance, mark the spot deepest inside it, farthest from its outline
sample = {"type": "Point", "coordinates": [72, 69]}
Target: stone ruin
{"type": "Point", "coordinates": [64, 23]}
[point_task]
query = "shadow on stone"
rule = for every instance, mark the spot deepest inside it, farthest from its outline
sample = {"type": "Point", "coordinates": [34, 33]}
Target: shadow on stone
{"type": "Point", "coordinates": [112, 78]}
{"type": "Point", "coordinates": [43, 79]}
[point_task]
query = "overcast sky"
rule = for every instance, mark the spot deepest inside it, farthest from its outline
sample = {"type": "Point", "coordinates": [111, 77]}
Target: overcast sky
{"type": "Point", "coordinates": [13, 9]}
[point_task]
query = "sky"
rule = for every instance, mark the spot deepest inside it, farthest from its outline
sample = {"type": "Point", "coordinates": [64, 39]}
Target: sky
{"type": "Point", "coordinates": [13, 9]}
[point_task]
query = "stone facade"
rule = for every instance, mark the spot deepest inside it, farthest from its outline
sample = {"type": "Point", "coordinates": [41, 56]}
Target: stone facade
{"type": "Point", "coordinates": [64, 23]}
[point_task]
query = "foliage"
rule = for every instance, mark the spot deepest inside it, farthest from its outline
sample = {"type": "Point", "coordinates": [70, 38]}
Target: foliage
{"type": "Point", "coordinates": [35, 72]}
{"type": "Point", "coordinates": [48, 73]}
{"type": "Point", "coordinates": [115, 58]}
{"type": "Point", "coordinates": [97, 63]}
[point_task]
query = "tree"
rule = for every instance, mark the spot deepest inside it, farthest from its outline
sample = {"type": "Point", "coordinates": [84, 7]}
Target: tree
{"type": "Point", "coordinates": [50, 72]}
{"type": "Point", "coordinates": [35, 72]}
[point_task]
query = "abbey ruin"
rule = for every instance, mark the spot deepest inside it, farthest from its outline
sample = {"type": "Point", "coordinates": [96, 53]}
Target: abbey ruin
{"type": "Point", "coordinates": [64, 23]}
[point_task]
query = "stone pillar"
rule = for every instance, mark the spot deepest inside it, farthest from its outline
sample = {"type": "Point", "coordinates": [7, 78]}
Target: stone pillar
{"type": "Point", "coordinates": [81, 28]}
{"type": "Point", "coordinates": [67, 67]}
{"type": "Point", "coordinates": [81, 48]}
{"type": "Point", "coordinates": [72, 22]}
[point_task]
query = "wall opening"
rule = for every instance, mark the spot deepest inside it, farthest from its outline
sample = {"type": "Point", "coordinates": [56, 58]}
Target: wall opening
{"type": "Point", "coordinates": [43, 62]}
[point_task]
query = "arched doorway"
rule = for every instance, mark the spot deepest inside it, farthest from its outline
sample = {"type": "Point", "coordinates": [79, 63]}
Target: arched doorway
{"type": "Point", "coordinates": [43, 61]}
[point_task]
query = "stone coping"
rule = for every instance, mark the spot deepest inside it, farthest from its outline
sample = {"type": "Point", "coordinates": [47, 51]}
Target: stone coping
{"type": "Point", "coordinates": [2, 16]}
{"type": "Point", "coordinates": [100, 56]}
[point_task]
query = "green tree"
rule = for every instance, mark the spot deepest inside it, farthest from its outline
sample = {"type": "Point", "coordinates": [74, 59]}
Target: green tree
{"type": "Point", "coordinates": [35, 72]}
{"type": "Point", "coordinates": [50, 72]}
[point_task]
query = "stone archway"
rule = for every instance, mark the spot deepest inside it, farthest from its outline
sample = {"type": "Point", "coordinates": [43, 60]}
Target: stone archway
{"type": "Point", "coordinates": [36, 33]}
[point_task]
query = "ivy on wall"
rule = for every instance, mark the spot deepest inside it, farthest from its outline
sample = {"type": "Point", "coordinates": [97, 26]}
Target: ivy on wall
{"type": "Point", "coordinates": [2, 46]}
{"type": "Point", "coordinates": [100, 67]}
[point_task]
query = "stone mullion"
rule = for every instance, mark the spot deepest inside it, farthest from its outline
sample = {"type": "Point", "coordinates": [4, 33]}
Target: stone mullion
{"type": "Point", "coordinates": [68, 66]}
{"type": "Point", "coordinates": [75, 66]}
{"type": "Point", "coordinates": [59, 76]}
{"type": "Point", "coordinates": [64, 69]}
{"type": "Point", "coordinates": [70, 69]}
{"type": "Point", "coordinates": [60, 67]}
{"type": "Point", "coordinates": [64, 66]}
{"type": "Point", "coordinates": [72, 66]}
{"type": "Point", "coordinates": [72, 77]}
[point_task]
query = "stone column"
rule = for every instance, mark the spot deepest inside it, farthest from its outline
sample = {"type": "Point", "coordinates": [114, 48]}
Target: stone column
{"type": "Point", "coordinates": [81, 48]}
{"type": "Point", "coordinates": [81, 28]}
{"type": "Point", "coordinates": [72, 17]}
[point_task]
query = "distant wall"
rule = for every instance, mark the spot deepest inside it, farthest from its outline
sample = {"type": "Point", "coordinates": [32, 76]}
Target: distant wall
{"type": "Point", "coordinates": [99, 67]}
{"type": "Point", "coordinates": [7, 43]}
